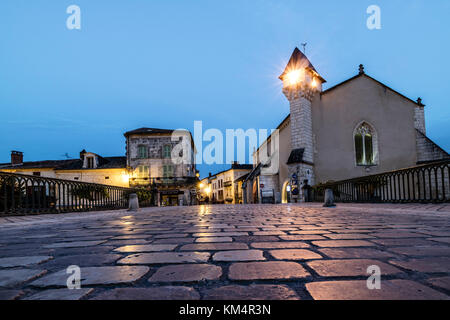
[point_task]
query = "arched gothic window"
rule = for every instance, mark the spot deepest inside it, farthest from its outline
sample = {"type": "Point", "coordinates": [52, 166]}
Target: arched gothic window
{"type": "Point", "coordinates": [365, 145]}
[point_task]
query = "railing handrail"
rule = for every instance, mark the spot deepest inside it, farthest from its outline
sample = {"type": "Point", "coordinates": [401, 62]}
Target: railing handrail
{"type": "Point", "coordinates": [403, 170]}
{"type": "Point", "coordinates": [25, 194]}
{"type": "Point", "coordinates": [422, 183]}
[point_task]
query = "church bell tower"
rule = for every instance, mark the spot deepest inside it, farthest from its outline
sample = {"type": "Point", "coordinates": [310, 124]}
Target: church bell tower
{"type": "Point", "coordinates": [301, 82]}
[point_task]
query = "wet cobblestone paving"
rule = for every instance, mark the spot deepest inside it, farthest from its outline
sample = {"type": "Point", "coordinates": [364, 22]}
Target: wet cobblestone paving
{"type": "Point", "coordinates": [230, 252]}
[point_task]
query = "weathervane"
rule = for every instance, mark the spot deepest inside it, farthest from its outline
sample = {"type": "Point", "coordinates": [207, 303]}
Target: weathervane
{"type": "Point", "coordinates": [304, 47]}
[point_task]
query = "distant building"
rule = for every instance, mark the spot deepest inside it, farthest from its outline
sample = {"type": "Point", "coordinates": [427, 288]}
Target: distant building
{"type": "Point", "coordinates": [148, 164]}
{"type": "Point", "coordinates": [226, 186]}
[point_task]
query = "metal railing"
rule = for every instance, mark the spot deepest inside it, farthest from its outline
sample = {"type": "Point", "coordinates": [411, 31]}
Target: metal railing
{"type": "Point", "coordinates": [26, 194]}
{"type": "Point", "coordinates": [425, 183]}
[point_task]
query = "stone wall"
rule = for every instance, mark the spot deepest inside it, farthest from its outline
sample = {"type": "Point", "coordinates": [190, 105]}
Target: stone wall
{"type": "Point", "coordinates": [427, 150]}
{"type": "Point", "coordinates": [155, 160]}
{"type": "Point", "coordinates": [301, 127]}
{"type": "Point", "coordinates": [419, 119]}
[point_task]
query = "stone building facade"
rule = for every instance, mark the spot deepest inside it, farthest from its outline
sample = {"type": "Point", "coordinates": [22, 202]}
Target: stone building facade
{"type": "Point", "coordinates": [150, 161]}
{"type": "Point", "coordinates": [355, 128]}
{"type": "Point", "coordinates": [226, 186]}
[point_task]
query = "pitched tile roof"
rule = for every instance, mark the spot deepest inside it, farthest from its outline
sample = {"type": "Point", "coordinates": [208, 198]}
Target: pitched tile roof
{"type": "Point", "coordinates": [70, 164]}
{"type": "Point", "coordinates": [297, 61]}
{"type": "Point", "coordinates": [296, 156]}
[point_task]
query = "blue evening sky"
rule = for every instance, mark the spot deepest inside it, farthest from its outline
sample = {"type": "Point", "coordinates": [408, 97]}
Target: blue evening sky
{"type": "Point", "coordinates": [164, 64]}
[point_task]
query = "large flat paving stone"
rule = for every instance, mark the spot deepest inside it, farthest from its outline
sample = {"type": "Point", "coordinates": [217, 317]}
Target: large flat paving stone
{"type": "Point", "coordinates": [294, 254]}
{"type": "Point", "coordinates": [126, 242]}
{"type": "Point", "coordinates": [214, 239]}
{"type": "Point", "coordinates": [251, 292]}
{"type": "Point", "coordinates": [83, 260]}
{"type": "Point", "coordinates": [131, 236]}
{"type": "Point", "coordinates": [441, 282]}
{"type": "Point", "coordinates": [348, 268]}
{"type": "Point", "coordinates": [10, 294]}
{"type": "Point", "coordinates": [153, 293]}
{"type": "Point", "coordinates": [256, 238]}
{"type": "Point", "coordinates": [174, 241]}
{"type": "Point", "coordinates": [60, 294]}
{"type": "Point", "coordinates": [423, 251]}
{"type": "Point", "coordinates": [404, 242]}
{"type": "Point", "coordinates": [147, 248]}
{"type": "Point", "coordinates": [95, 276]}
{"type": "Point", "coordinates": [171, 235]}
{"type": "Point", "coordinates": [357, 290]}
{"type": "Point", "coordinates": [279, 245]}
{"type": "Point", "coordinates": [220, 234]}
{"type": "Point", "coordinates": [398, 235]}
{"type": "Point", "coordinates": [348, 236]}
{"type": "Point", "coordinates": [342, 243]}
{"type": "Point", "coordinates": [269, 233]}
{"type": "Point", "coordinates": [239, 255]}
{"type": "Point", "coordinates": [266, 270]}
{"type": "Point", "coordinates": [73, 244]}
{"type": "Point", "coordinates": [15, 277]}
{"type": "Point", "coordinates": [186, 273]}
{"type": "Point", "coordinates": [441, 239]}
{"type": "Point", "coordinates": [102, 249]}
{"type": "Point", "coordinates": [165, 257]}
{"type": "Point", "coordinates": [309, 232]}
{"type": "Point", "coordinates": [356, 253]}
{"type": "Point", "coordinates": [302, 237]}
{"type": "Point", "coordinates": [214, 246]}
{"type": "Point", "coordinates": [11, 262]}
{"type": "Point", "coordinates": [429, 264]}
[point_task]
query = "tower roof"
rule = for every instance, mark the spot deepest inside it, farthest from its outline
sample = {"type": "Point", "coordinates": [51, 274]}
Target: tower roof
{"type": "Point", "coordinates": [297, 61]}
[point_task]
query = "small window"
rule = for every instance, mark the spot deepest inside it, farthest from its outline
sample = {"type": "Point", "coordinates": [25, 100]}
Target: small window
{"type": "Point", "coordinates": [76, 178]}
{"type": "Point", "coordinates": [37, 173]}
{"type": "Point", "coordinates": [364, 149]}
{"type": "Point", "coordinates": [167, 151]}
{"type": "Point", "coordinates": [167, 171]}
{"type": "Point", "coordinates": [142, 152]}
{"type": "Point", "coordinates": [106, 178]}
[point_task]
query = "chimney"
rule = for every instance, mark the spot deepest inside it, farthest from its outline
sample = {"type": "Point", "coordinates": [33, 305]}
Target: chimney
{"type": "Point", "coordinates": [16, 157]}
{"type": "Point", "coordinates": [82, 152]}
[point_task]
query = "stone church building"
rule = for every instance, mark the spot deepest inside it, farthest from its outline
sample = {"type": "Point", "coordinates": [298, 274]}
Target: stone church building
{"type": "Point", "coordinates": [355, 128]}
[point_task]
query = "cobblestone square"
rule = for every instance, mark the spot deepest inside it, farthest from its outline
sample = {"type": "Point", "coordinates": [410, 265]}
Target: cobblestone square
{"type": "Point", "coordinates": [283, 252]}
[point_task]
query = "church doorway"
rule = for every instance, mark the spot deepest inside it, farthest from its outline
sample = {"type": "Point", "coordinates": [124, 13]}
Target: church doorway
{"type": "Point", "coordinates": [286, 192]}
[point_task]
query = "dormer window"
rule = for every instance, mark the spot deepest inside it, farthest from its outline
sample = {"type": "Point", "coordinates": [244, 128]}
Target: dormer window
{"type": "Point", "coordinates": [90, 162]}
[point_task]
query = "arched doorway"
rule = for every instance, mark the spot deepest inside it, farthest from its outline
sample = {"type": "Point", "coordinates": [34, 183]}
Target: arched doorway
{"type": "Point", "coordinates": [286, 192]}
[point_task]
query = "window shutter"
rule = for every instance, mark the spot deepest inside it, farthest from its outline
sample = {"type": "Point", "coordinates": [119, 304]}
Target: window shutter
{"type": "Point", "coordinates": [359, 148]}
